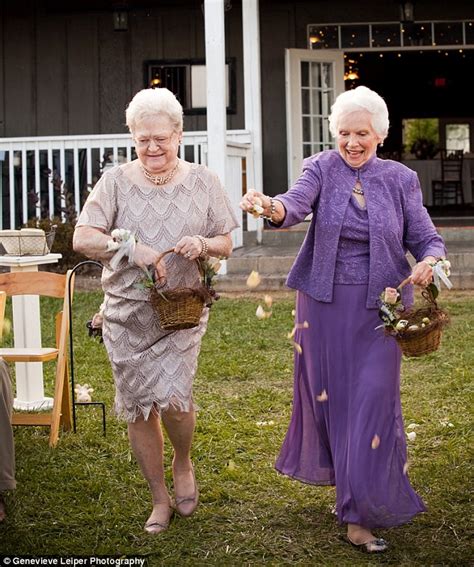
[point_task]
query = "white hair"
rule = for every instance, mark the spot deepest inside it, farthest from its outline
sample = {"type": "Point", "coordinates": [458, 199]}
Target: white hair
{"type": "Point", "coordinates": [148, 103]}
{"type": "Point", "coordinates": [360, 98]}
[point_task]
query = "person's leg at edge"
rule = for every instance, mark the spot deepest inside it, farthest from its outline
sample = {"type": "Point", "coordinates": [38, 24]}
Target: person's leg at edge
{"type": "Point", "coordinates": [146, 440]}
{"type": "Point", "coordinates": [179, 426]}
{"type": "Point", "coordinates": [7, 447]}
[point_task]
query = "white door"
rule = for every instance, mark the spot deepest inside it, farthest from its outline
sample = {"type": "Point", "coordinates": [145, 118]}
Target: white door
{"type": "Point", "coordinates": [313, 81]}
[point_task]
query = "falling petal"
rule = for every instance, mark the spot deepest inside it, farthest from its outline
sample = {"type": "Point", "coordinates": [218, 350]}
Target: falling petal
{"type": "Point", "coordinates": [375, 441]}
{"type": "Point", "coordinates": [260, 313]}
{"type": "Point", "coordinates": [292, 334]}
{"type": "Point", "coordinates": [293, 312]}
{"type": "Point", "coordinates": [298, 348]}
{"type": "Point", "coordinates": [411, 436]}
{"type": "Point", "coordinates": [323, 396]}
{"type": "Point", "coordinates": [405, 468]}
{"type": "Point", "coordinates": [305, 325]}
{"type": "Point", "coordinates": [268, 300]}
{"type": "Point", "coordinates": [253, 280]}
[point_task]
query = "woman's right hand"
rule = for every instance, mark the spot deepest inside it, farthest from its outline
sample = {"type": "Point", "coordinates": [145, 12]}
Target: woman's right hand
{"type": "Point", "coordinates": [144, 256]}
{"type": "Point", "coordinates": [252, 198]}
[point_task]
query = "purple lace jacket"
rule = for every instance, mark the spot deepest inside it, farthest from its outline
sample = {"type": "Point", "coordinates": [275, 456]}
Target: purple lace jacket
{"type": "Point", "coordinates": [398, 222]}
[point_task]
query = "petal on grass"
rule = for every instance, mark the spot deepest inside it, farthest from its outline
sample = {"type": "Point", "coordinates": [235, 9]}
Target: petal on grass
{"type": "Point", "coordinates": [405, 468]}
{"type": "Point", "coordinates": [268, 300]}
{"type": "Point", "coordinates": [411, 436]}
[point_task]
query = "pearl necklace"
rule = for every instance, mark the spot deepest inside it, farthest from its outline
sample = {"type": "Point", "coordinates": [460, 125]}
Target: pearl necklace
{"type": "Point", "coordinates": [358, 190]}
{"type": "Point", "coordinates": [160, 179]}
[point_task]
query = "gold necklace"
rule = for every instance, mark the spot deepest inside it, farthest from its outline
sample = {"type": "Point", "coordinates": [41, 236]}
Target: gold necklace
{"type": "Point", "coordinates": [160, 179]}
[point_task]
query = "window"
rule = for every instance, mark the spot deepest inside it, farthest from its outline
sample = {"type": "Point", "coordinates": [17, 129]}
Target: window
{"type": "Point", "coordinates": [390, 35]}
{"type": "Point", "coordinates": [187, 80]}
{"type": "Point", "coordinates": [457, 137]}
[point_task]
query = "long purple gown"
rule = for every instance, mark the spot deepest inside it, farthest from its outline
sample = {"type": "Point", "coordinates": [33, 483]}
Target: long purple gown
{"type": "Point", "coordinates": [355, 438]}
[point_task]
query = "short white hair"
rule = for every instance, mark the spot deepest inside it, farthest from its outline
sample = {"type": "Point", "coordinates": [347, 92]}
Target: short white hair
{"type": "Point", "coordinates": [360, 98]}
{"type": "Point", "coordinates": [148, 103]}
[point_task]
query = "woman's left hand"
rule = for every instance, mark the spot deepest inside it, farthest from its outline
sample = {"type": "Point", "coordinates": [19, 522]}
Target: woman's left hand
{"type": "Point", "coordinates": [422, 274]}
{"type": "Point", "coordinates": [189, 246]}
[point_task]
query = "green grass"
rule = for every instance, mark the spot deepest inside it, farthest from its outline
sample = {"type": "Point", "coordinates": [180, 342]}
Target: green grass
{"type": "Point", "coordinates": [87, 497]}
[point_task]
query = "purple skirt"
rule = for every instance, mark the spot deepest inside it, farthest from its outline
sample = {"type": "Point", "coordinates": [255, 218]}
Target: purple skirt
{"type": "Point", "coordinates": [355, 438]}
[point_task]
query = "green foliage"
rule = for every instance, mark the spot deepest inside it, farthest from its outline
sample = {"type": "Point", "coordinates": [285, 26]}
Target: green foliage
{"type": "Point", "coordinates": [87, 496]}
{"type": "Point", "coordinates": [422, 136]}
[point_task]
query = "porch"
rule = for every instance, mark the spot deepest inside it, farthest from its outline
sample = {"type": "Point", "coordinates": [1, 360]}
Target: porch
{"type": "Point", "coordinates": [46, 177]}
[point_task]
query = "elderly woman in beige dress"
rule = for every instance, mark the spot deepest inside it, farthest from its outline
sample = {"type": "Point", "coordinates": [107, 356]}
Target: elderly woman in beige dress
{"type": "Point", "coordinates": [164, 202]}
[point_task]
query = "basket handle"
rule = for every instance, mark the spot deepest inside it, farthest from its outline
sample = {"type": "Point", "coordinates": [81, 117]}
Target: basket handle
{"type": "Point", "coordinates": [163, 254]}
{"type": "Point", "coordinates": [404, 282]}
{"type": "Point", "coordinates": [426, 293]}
{"type": "Point", "coordinates": [171, 250]}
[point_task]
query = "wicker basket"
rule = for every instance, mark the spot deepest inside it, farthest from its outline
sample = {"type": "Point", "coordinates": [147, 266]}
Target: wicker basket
{"type": "Point", "coordinates": [180, 309]}
{"type": "Point", "coordinates": [26, 242]}
{"type": "Point", "coordinates": [427, 337]}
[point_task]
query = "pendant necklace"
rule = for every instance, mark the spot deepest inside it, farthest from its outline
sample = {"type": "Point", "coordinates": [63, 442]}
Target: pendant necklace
{"type": "Point", "coordinates": [160, 179]}
{"type": "Point", "coordinates": [358, 190]}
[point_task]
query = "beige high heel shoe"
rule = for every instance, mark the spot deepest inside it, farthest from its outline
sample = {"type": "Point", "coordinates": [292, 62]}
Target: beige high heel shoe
{"type": "Point", "coordinates": [186, 505]}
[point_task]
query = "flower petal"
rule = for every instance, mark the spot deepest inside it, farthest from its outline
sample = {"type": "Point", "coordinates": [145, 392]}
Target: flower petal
{"type": "Point", "coordinates": [253, 280]}
{"type": "Point", "coordinates": [268, 300]}
{"type": "Point", "coordinates": [375, 441]}
{"type": "Point", "coordinates": [323, 396]}
{"type": "Point", "coordinates": [292, 334]}
{"type": "Point", "coordinates": [260, 313]}
{"type": "Point", "coordinates": [298, 348]}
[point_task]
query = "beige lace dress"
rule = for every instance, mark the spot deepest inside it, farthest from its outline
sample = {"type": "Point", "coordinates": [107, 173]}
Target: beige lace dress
{"type": "Point", "coordinates": [153, 368]}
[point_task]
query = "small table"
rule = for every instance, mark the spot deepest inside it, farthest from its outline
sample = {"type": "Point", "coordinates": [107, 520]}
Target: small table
{"type": "Point", "coordinates": [27, 333]}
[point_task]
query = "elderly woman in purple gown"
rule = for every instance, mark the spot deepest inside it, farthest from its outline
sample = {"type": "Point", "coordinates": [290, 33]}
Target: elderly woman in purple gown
{"type": "Point", "coordinates": [346, 427]}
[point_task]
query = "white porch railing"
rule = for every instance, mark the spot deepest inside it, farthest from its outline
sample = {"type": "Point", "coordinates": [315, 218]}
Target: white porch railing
{"type": "Point", "coordinates": [41, 176]}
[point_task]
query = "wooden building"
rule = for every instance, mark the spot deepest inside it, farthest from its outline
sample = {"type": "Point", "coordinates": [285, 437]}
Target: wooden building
{"type": "Point", "coordinates": [68, 70]}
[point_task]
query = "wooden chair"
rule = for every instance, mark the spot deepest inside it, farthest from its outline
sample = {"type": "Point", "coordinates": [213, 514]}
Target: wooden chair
{"type": "Point", "coordinates": [51, 285]}
{"type": "Point", "coordinates": [449, 189]}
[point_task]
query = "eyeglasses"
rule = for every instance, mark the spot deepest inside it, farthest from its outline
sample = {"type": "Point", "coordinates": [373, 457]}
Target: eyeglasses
{"type": "Point", "coordinates": [159, 141]}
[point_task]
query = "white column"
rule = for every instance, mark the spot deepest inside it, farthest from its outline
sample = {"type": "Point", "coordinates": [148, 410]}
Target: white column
{"type": "Point", "coordinates": [216, 87]}
{"type": "Point", "coordinates": [27, 333]}
{"type": "Point", "coordinates": [253, 98]}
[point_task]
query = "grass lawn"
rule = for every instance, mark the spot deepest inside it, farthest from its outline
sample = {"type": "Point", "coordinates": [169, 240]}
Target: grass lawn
{"type": "Point", "coordinates": [87, 497]}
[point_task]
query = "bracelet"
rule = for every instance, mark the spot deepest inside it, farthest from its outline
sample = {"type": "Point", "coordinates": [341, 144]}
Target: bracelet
{"type": "Point", "coordinates": [204, 245]}
{"type": "Point", "coordinates": [272, 210]}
